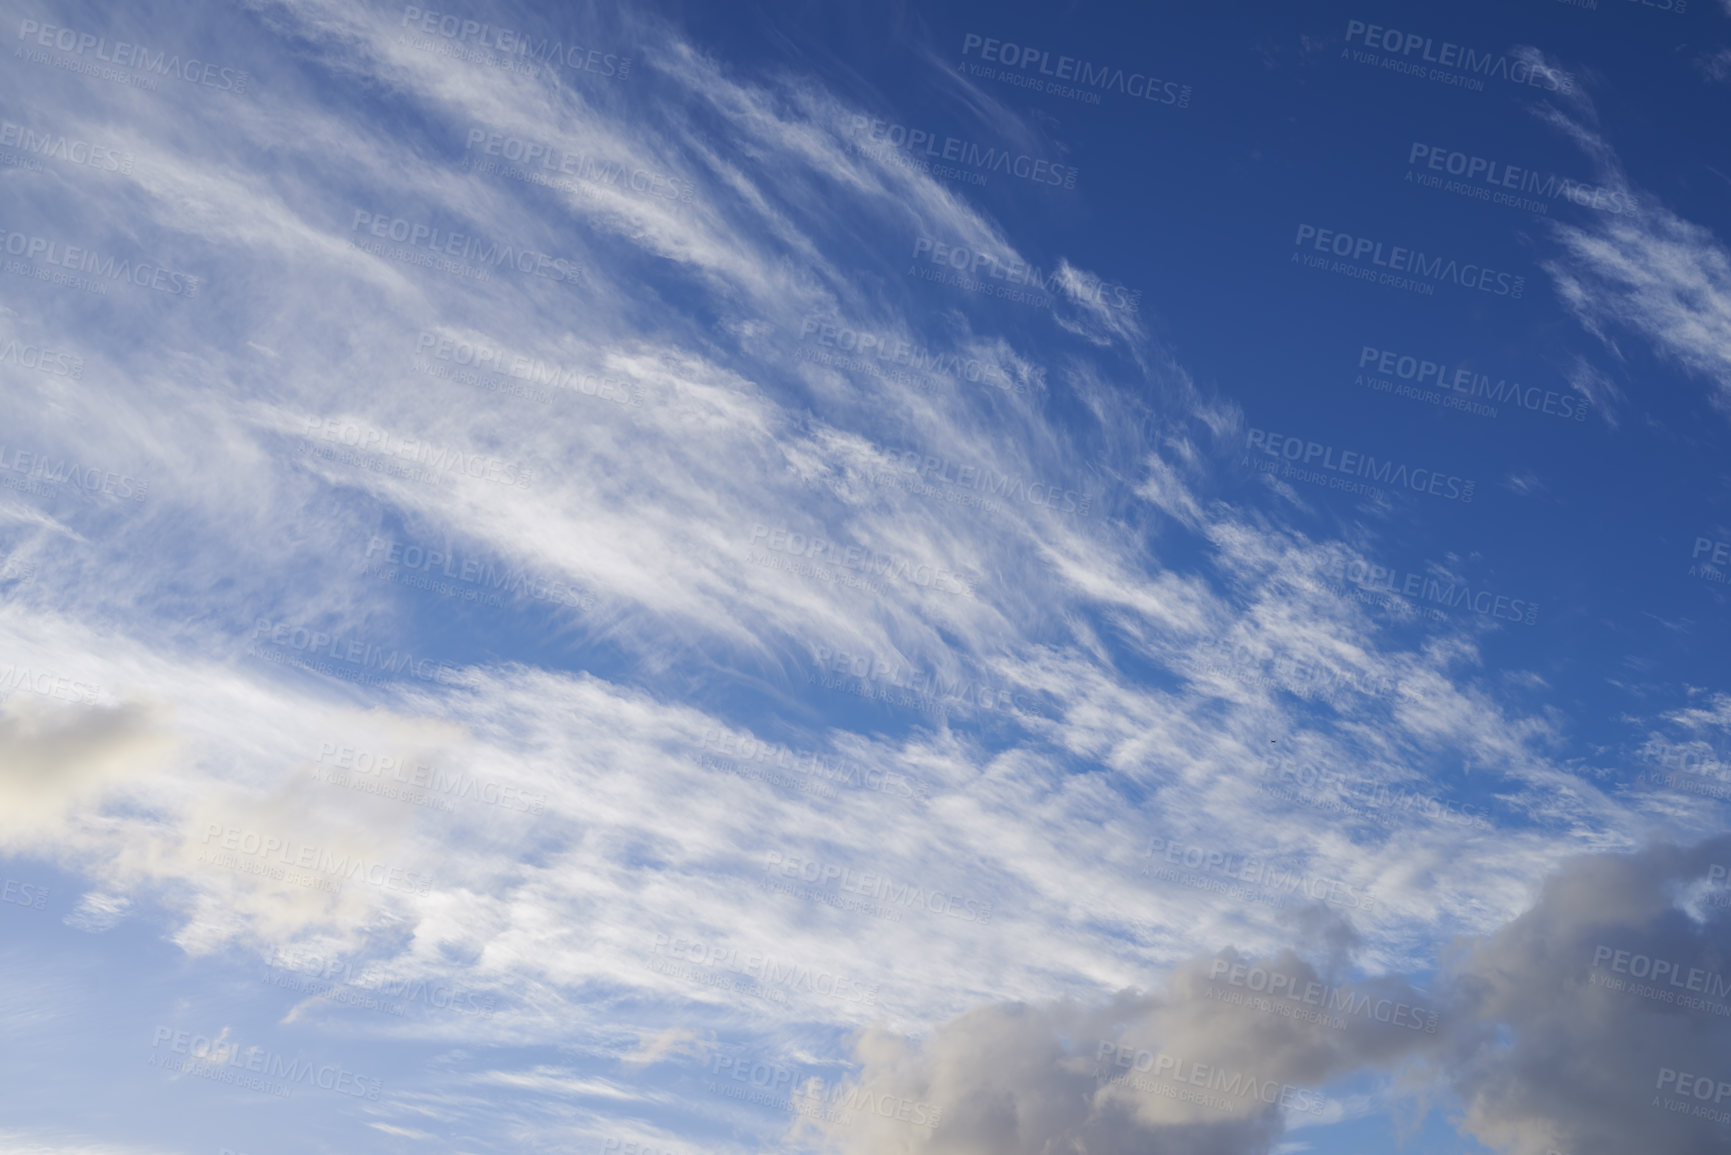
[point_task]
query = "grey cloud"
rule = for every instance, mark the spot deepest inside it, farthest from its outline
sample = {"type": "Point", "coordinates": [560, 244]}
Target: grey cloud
{"type": "Point", "coordinates": [1184, 1071]}
{"type": "Point", "coordinates": [1527, 1025]}
{"type": "Point", "coordinates": [1020, 1080]}
{"type": "Point", "coordinates": [1550, 1057]}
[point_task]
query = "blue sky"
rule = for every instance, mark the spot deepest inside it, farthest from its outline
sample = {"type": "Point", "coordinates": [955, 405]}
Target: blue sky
{"type": "Point", "coordinates": [941, 579]}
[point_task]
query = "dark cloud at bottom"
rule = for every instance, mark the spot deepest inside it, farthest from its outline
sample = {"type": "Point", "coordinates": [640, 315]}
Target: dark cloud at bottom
{"type": "Point", "coordinates": [1594, 1023]}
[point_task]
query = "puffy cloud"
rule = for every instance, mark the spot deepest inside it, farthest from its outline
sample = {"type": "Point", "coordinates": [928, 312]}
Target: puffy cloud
{"type": "Point", "coordinates": [58, 759]}
{"type": "Point", "coordinates": [1221, 1062]}
{"type": "Point", "coordinates": [1025, 1080]}
{"type": "Point", "coordinates": [1593, 1023]}
{"type": "Point", "coordinates": [1572, 1014]}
